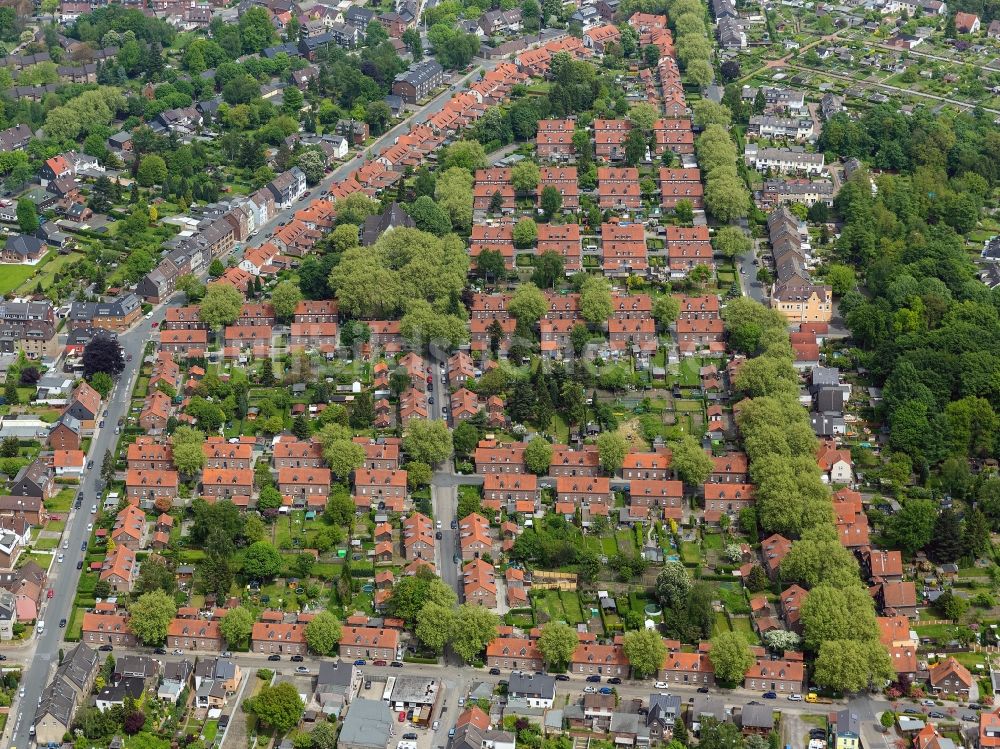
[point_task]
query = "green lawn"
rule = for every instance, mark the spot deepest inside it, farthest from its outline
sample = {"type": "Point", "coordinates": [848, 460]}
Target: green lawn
{"type": "Point", "coordinates": [721, 624]}
{"type": "Point", "coordinates": [56, 526]}
{"type": "Point", "coordinates": [12, 276]}
{"type": "Point", "coordinates": [712, 541]}
{"type": "Point", "coordinates": [62, 501]}
{"type": "Point", "coordinates": [690, 552]}
{"type": "Point", "coordinates": [46, 544]}
{"type": "Point", "coordinates": [743, 626]}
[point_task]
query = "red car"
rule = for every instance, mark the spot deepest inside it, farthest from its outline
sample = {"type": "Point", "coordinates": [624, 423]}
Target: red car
{"type": "Point", "coordinates": [402, 716]}
{"type": "Point", "coordinates": [50, 593]}
{"type": "Point", "coordinates": [156, 324]}
{"type": "Point", "coordinates": [378, 663]}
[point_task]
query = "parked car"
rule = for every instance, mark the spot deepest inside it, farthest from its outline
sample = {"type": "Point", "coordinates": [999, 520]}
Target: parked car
{"type": "Point", "coordinates": [106, 648]}
{"type": "Point", "coordinates": [409, 737]}
{"type": "Point", "coordinates": [562, 677]}
{"type": "Point", "coordinates": [302, 670]}
{"type": "Point", "coordinates": [378, 663]}
{"type": "Point", "coordinates": [614, 680]}
{"type": "Point", "coordinates": [494, 672]}
{"type": "Point", "coordinates": [396, 664]}
{"type": "Point", "coordinates": [589, 690]}
{"type": "Point", "coordinates": [795, 697]}
{"type": "Point", "coordinates": [703, 690]}
{"type": "Point", "coordinates": [770, 695]}
{"type": "Point", "coordinates": [605, 690]}
{"type": "Point", "coordinates": [274, 657]}
{"type": "Point", "coordinates": [62, 624]}
{"type": "Point", "coordinates": [594, 678]}
{"type": "Point", "coordinates": [160, 651]}
{"type": "Point", "coordinates": [79, 564]}
{"type": "Point", "coordinates": [402, 716]}
{"type": "Point", "coordinates": [297, 658]}
{"type": "Point", "coordinates": [928, 703]}
{"type": "Point", "coordinates": [936, 714]}
{"type": "Point", "coordinates": [360, 662]}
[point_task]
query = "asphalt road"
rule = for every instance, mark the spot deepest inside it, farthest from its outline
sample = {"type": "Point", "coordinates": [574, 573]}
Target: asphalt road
{"type": "Point", "coordinates": [42, 657]}
{"type": "Point", "coordinates": [748, 277]}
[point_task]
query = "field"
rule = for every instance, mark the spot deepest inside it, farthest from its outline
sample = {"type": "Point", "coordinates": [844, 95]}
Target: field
{"type": "Point", "coordinates": [12, 276]}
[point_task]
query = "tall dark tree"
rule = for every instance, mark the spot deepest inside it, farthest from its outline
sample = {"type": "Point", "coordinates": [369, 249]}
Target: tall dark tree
{"type": "Point", "coordinates": [103, 354]}
{"type": "Point", "coordinates": [946, 543]}
{"type": "Point", "coordinates": [976, 534]}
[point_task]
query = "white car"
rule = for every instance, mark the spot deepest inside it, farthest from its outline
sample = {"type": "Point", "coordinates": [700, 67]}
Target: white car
{"type": "Point", "coordinates": [928, 703]}
{"type": "Point", "coordinates": [66, 544]}
{"type": "Point", "coordinates": [661, 685]}
{"type": "Point", "coordinates": [795, 697]}
{"type": "Point", "coordinates": [61, 558]}
{"type": "Point", "coordinates": [590, 690]}
{"type": "Point", "coordinates": [90, 527]}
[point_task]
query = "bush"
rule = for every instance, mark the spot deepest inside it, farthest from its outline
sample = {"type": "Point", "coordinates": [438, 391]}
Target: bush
{"type": "Point", "coordinates": [265, 674]}
{"type": "Point", "coordinates": [888, 718]}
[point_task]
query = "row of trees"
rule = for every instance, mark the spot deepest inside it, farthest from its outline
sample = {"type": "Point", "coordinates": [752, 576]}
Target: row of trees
{"type": "Point", "coordinates": [838, 617]}
{"type": "Point", "coordinates": [693, 45]}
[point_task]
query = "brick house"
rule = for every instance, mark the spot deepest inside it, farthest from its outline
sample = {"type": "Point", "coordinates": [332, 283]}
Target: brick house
{"type": "Point", "coordinates": [688, 668]}
{"type": "Point", "coordinates": [369, 643]}
{"type": "Point", "coordinates": [107, 629]}
{"type": "Point", "coordinates": [148, 486]}
{"type": "Point", "coordinates": [222, 454]}
{"type": "Point", "coordinates": [662, 494]}
{"type": "Point", "coordinates": [475, 538]}
{"type": "Point", "coordinates": [495, 458]}
{"type": "Point", "coordinates": [554, 140]}
{"type": "Point", "coordinates": [648, 466]}
{"type": "Point", "coordinates": [145, 454]}
{"type": "Point", "coordinates": [226, 483]}
{"type": "Point", "coordinates": [273, 637]}
{"type": "Point", "coordinates": [607, 660]}
{"type": "Point", "coordinates": [380, 487]}
{"type": "Point", "coordinates": [120, 570]}
{"type": "Point", "coordinates": [479, 584]}
{"type": "Point", "coordinates": [726, 499]}
{"type": "Point", "coordinates": [294, 453]}
{"type": "Point", "coordinates": [783, 676]}
{"type": "Point", "coordinates": [568, 462]}
{"type": "Point", "coordinates": [195, 634]}
{"type": "Point", "coordinates": [514, 492]}
{"type": "Point", "coordinates": [305, 485]}
{"type": "Point", "coordinates": [618, 188]}
{"type": "Point", "coordinates": [418, 537]}
{"type": "Point", "coordinates": [514, 653]}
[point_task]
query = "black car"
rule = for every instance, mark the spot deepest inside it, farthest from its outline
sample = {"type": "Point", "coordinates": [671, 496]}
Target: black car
{"type": "Point", "coordinates": [106, 648]}
{"type": "Point", "coordinates": [409, 737]}
{"type": "Point", "coordinates": [83, 546]}
{"type": "Point", "coordinates": [911, 711]}
{"type": "Point", "coordinates": [438, 535]}
{"type": "Point", "coordinates": [970, 717]}
{"type": "Point", "coordinates": [160, 651]}
{"type": "Point", "coordinates": [274, 657]}
{"type": "Point", "coordinates": [396, 664]}
{"type": "Point", "coordinates": [562, 677]}
{"type": "Point", "coordinates": [79, 564]}
{"type": "Point", "coordinates": [3, 657]}
{"type": "Point", "coordinates": [454, 524]}
{"type": "Point", "coordinates": [817, 733]}
{"type": "Point", "coordinates": [494, 672]}
{"type": "Point", "coordinates": [595, 678]}
{"type": "Point", "coordinates": [614, 680]}
{"type": "Point", "coordinates": [62, 624]}
{"type": "Point", "coordinates": [703, 690]}
{"type": "Point", "coordinates": [297, 659]}
{"type": "Point", "coordinates": [936, 714]}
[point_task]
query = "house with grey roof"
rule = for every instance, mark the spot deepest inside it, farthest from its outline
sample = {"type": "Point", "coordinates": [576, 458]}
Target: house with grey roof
{"type": "Point", "coordinates": [538, 690]}
{"type": "Point", "coordinates": [391, 218]}
{"type": "Point", "coordinates": [417, 82]}
{"type": "Point", "coordinates": [368, 725]}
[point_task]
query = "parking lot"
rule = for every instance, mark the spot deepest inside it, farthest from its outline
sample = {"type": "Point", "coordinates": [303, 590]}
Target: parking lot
{"type": "Point", "coordinates": [372, 688]}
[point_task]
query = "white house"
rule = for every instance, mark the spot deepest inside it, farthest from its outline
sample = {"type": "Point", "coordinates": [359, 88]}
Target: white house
{"type": "Point", "coordinates": [537, 690]}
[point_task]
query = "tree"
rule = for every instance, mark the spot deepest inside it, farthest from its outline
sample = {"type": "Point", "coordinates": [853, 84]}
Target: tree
{"type": "Point", "coordinates": [525, 233]}
{"type": "Point", "coordinates": [727, 198]}
{"type": "Point", "coordinates": [781, 640]}
{"type": "Point", "coordinates": [841, 278]}
{"type": "Point", "coordinates": [976, 534]}
{"type": "Point", "coordinates": [193, 289]}
{"type": "Point", "coordinates": [152, 170]}
{"type": "Point", "coordinates": [946, 539]}
{"type": "Point", "coordinates": [731, 657]}
{"type": "Point", "coordinates": [551, 202]}
{"type": "Point", "coordinates": [673, 584]}
{"type": "Point", "coordinates": [413, 592]}
{"type": "Point", "coordinates": [464, 154]}
{"type": "Point", "coordinates": [528, 304]}
{"type": "Point", "coordinates": [27, 216]}
{"type": "Point", "coordinates": [154, 576]}
{"type": "Point", "coordinates": [435, 625]}
{"type": "Point", "coordinates": [278, 706]}
{"type": "Point", "coordinates": [323, 633]}
{"type": "Point", "coordinates": [557, 643]}
{"type": "Point", "coordinates": [912, 528]}
{"type": "Point", "coordinates": [665, 310]}
{"type": "Point", "coordinates": [261, 561]}
{"type": "Point", "coordinates": [311, 162]}
{"type": "Point", "coordinates": [643, 116]}
{"type": "Point", "coordinates": [707, 112]}
{"type": "Point", "coordinates": [418, 474]}
{"type": "Point", "coordinates": [189, 457]}
{"type": "Point", "coordinates": [221, 306]}
{"type": "Point", "coordinates": [731, 241]}
{"type": "Point", "coordinates": [635, 147]}
{"type": "Point", "coordinates": [102, 383]}
{"type": "Point", "coordinates": [837, 614]}
{"type": "Point", "coordinates": [150, 616]}
{"type": "Point", "coordinates": [340, 510]}
{"type": "Point", "coordinates": [811, 562]}
{"type": "Point", "coordinates": [427, 440]}
{"type": "Point", "coordinates": [549, 268]}
{"type": "Point", "coordinates": [453, 192]}
{"type": "Point", "coordinates": [102, 353]}
{"type": "Point", "coordinates": [700, 72]}
{"type": "Point", "coordinates": [538, 455]}
{"type": "Point", "coordinates": [524, 176]}
{"type": "Point", "coordinates": [490, 264]}
{"type": "Point", "coordinates": [645, 651]}
{"type": "Point", "coordinates": [951, 606]}
{"type": "Point", "coordinates": [595, 299]}
{"type": "Point", "coordinates": [344, 456]}
{"type": "Point", "coordinates": [269, 499]}
{"type": "Point", "coordinates": [849, 666]}
{"type": "Point", "coordinates": [692, 463]}
{"type": "Point", "coordinates": [413, 42]}
{"type": "Point", "coordinates": [216, 268]}
{"type": "Point", "coordinates": [612, 449]}
{"type": "Point", "coordinates": [475, 628]}
{"type": "Point", "coordinates": [236, 626]}
{"type": "Point", "coordinates": [429, 216]}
